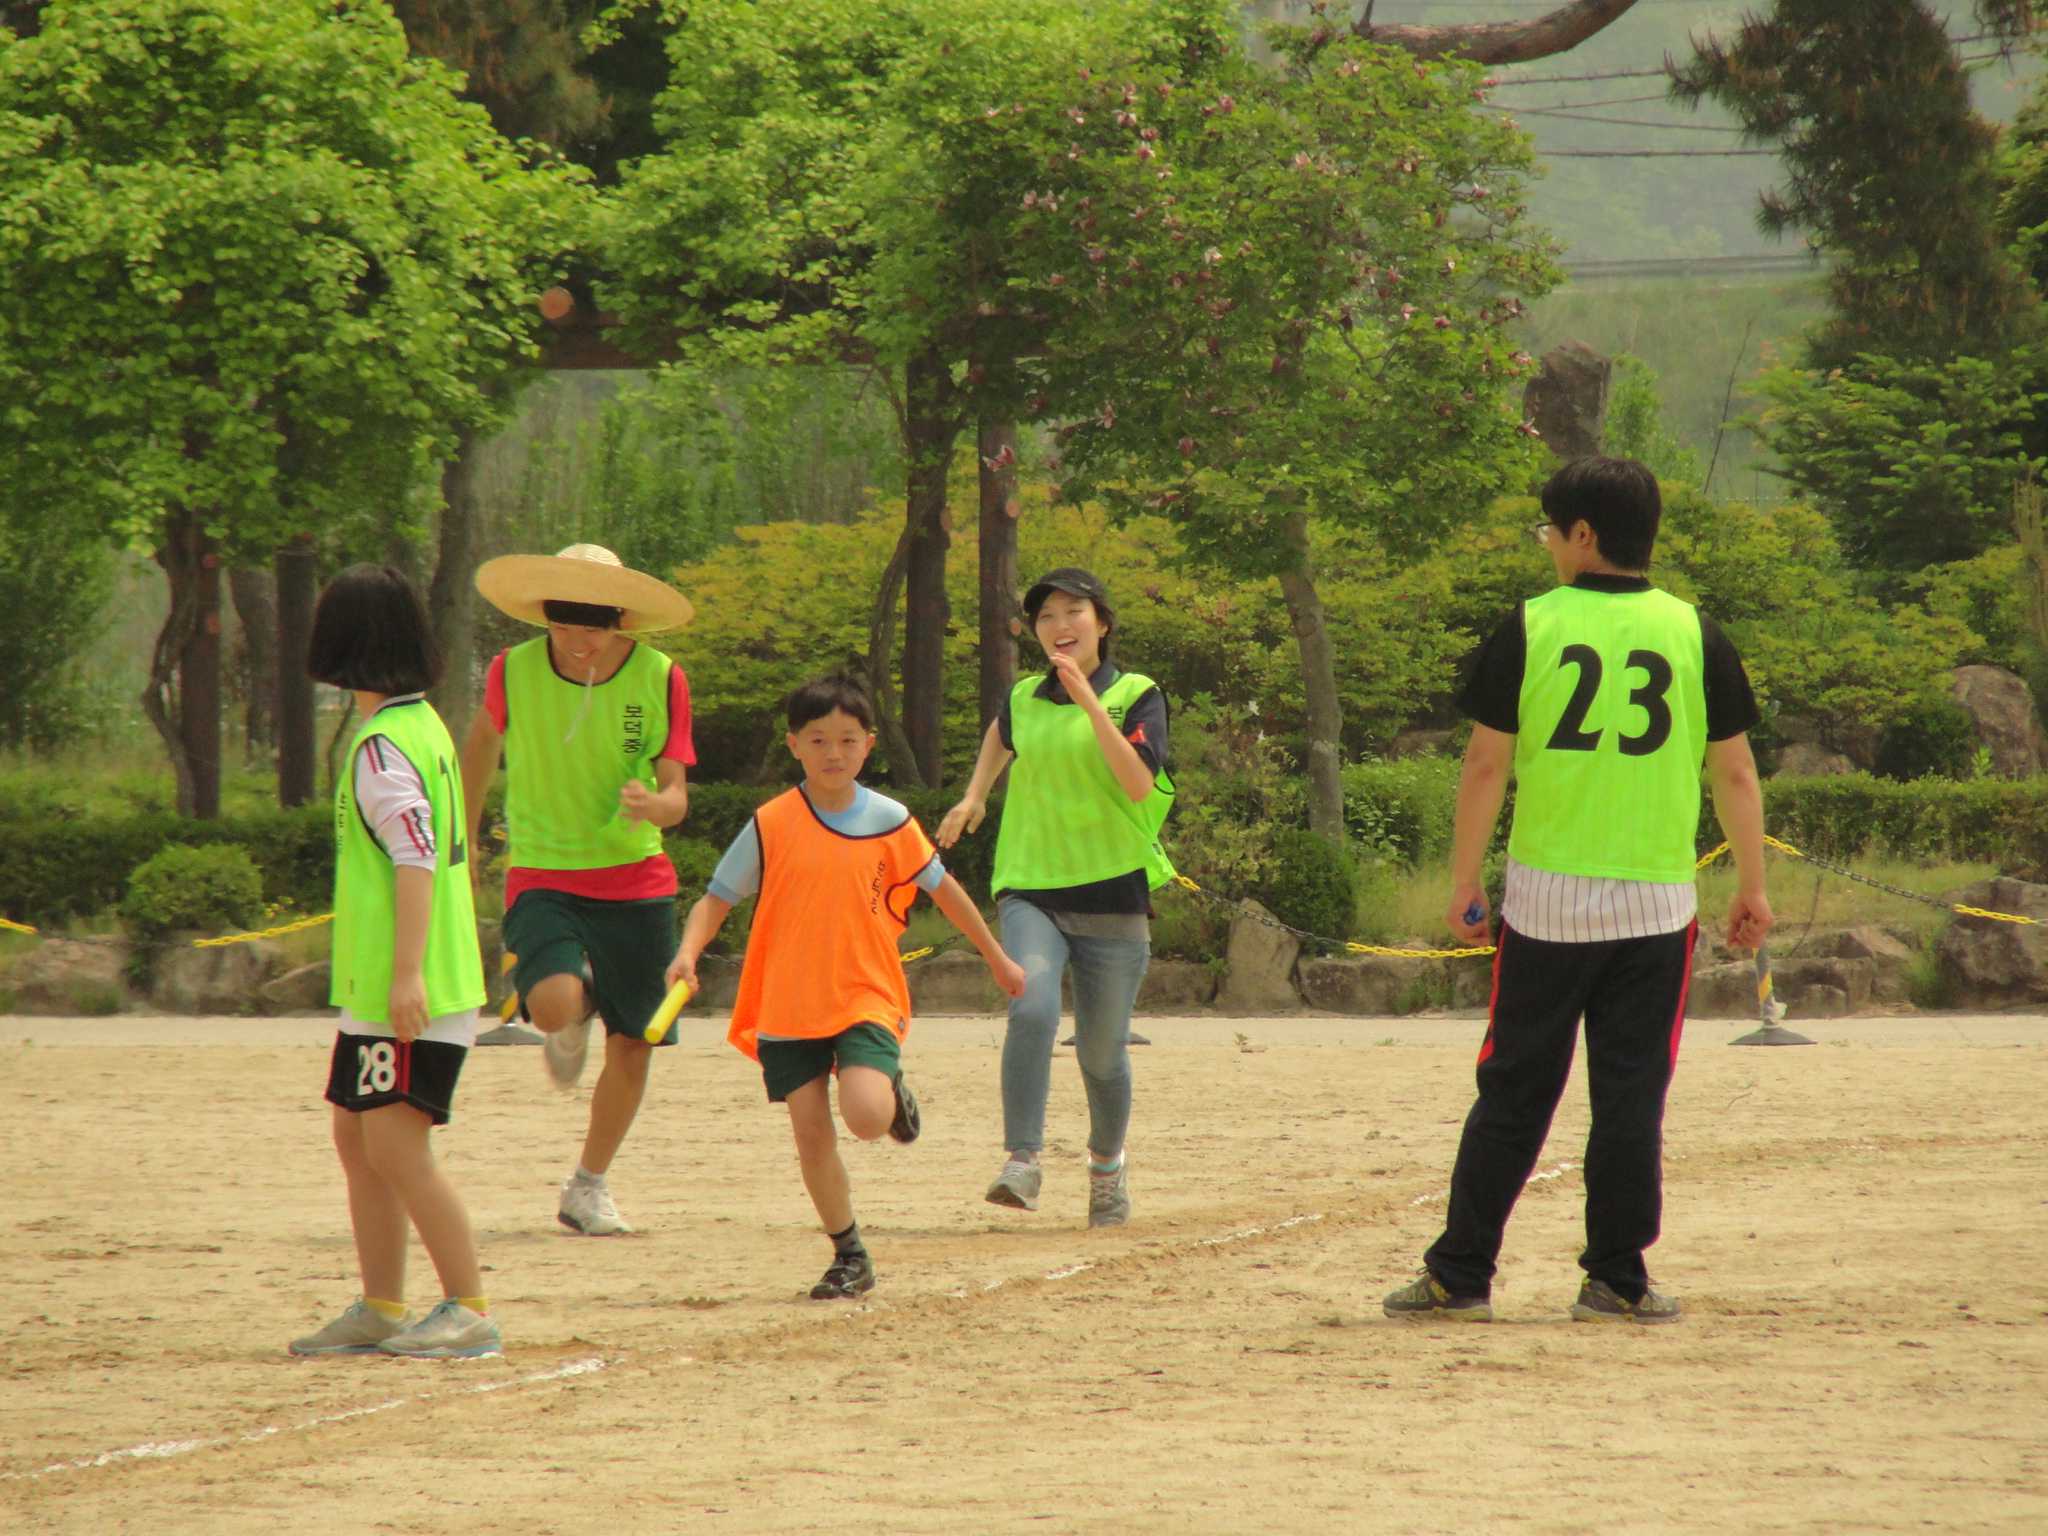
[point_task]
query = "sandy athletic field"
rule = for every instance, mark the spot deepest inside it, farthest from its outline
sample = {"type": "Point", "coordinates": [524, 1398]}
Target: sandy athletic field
{"type": "Point", "coordinates": [1860, 1232]}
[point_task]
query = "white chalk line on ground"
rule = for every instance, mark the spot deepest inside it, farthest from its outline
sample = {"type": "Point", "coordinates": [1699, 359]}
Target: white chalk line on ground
{"type": "Point", "coordinates": [1535, 1178]}
{"type": "Point", "coordinates": [151, 1450]}
{"type": "Point", "coordinates": [154, 1450]}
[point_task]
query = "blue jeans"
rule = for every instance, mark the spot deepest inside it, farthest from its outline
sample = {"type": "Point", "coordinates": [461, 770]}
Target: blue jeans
{"type": "Point", "coordinates": [1106, 976]}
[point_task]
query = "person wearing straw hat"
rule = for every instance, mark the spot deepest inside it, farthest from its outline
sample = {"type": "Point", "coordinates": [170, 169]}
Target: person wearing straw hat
{"type": "Point", "coordinates": [594, 728]}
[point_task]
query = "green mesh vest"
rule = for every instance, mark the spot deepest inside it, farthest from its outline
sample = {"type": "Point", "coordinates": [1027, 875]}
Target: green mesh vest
{"type": "Point", "coordinates": [1613, 732]}
{"type": "Point", "coordinates": [365, 881]}
{"type": "Point", "coordinates": [1066, 819]}
{"type": "Point", "coordinates": [570, 750]}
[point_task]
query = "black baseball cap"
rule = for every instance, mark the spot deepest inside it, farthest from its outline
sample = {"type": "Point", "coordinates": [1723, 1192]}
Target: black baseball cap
{"type": "Point", "coordinates": [1070, 579]}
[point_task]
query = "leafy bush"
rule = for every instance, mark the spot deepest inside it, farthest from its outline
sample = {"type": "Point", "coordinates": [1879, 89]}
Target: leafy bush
{"type": "Point", "coordinates": [1312, 885]}
{"type": "Point", "coordinates": [213, 887]}
{"type": "Point", "coordinates": [1403, 808]}
{"type": "Point", "coordinates": [1935, 738]}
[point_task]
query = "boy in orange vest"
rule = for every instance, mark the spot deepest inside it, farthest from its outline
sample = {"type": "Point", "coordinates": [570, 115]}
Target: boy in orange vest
{"type": "Point", "coordinates": [837, 867]}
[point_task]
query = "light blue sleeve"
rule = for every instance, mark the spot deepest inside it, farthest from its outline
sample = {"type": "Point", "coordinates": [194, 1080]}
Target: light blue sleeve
{"type": "Point", "coordinates": [738, 875]}
{"type": "Point", "coordinates": [931, 876]}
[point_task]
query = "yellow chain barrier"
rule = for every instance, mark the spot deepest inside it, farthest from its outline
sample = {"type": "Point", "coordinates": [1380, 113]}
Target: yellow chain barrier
{"type": "Point", "coordinates": [1896, 890]}
{"type": "Point", "coordinates": [267, 933]}
{"type": "Point", "coordinates": [1356, 949]}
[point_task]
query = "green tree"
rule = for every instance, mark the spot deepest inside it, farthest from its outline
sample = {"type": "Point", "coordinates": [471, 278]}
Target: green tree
{"type": "Point", "coordinates": [1919, 383]}
{"type": "Point", "coordinates": [259, 263]}
{"type": "Point", "coordinates": [1288, 299]}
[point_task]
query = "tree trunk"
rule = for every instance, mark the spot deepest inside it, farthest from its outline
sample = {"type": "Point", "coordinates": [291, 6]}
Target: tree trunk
{"type": "Point", "coordinates": [162, 696]}
{"type": "Point", "coordinates": [255, 595]}
{"type": "Point", "coordinates": [182, 696]}
{"type": "Point", "coordinates": [1001, 619]}
{"type": "Point", "coordinates": [880, 667]}
{"type": "Point", "coordinates": [929, 433]}
{"type": "Point", "coordinates": [451, 597]}
{"type": "Point", "coordinates": [298, 576]}
{"type": "Point", "coordinates": [1319, 686]}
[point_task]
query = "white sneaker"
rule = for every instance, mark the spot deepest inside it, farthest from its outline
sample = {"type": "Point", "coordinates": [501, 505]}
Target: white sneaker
{"type": "Point", "coordinates": [450, 1332]}
{"type": "Point", "coordinates": [588, 1208]}
{"type": "Point", "coordinates": [358, 1331]}
{"type": "Point", "coordinates": [564, 1050]}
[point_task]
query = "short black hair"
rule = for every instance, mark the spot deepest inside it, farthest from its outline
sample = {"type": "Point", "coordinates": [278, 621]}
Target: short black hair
{"type": "Point", "coordinates": [589, 615]}
{"type": "Point", "coordinates": [1617, 498]}
{"type": "Point", "coordinates": [370, 632]}
{"type": "Point", "coordinates": [821, 695]}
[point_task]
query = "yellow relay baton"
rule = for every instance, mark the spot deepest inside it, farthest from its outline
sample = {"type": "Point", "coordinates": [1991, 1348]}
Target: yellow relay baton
{"type": "Point", "coordinates": [665, 1015]}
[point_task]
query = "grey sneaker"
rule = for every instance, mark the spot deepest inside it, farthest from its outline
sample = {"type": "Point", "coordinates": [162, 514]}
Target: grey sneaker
{"type": "Point", "coordinates": [1017, 1185]}
{"type": "Point", "coordinates": [564, 1050]}
{"type": "Point", "coordinates": [588, 1209]}
{"type": "Point", "coordinates": [1109, 1197]}
{"type": "Point", "coordinates": [358, 1331]}
{"type": "Point", "coordinates": [1425, 1296]}
{"type": "Point", "coordinates": [450, 1332]}
{"type": "Point", "coordinates": [1599, 1302]}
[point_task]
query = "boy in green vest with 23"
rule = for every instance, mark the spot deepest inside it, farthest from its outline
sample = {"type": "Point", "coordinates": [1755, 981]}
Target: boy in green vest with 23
{"type": "Point", "coordinates": [1604, 698]}
{"type": "Point", "coordinates": [595, 731]}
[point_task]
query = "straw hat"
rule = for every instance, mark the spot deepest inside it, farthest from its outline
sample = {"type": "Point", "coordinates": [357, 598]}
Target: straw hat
{"type": "Point", "coordinates": [582, 573]}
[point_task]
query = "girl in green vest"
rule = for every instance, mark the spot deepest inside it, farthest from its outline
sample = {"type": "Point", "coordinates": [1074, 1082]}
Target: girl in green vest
{"type": "Point", "coordinates": [407, 975]}
{"type": "Point", "coordinates": [1077, 859]}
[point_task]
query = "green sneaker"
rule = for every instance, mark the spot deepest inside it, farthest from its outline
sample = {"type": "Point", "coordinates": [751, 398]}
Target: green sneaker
{"type": "Point", "coordinates": [1426, 1297]}
{"type": "Point", "coordinates": [1599, 1302]}
{"type": "Point", "coordinates": [358, 1331]}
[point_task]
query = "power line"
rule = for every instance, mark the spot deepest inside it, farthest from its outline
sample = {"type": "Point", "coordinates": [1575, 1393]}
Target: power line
{"type": "Point", "coordinates": [1643, 154]}
{"type": "Point", "coordinates": [1619, 122]}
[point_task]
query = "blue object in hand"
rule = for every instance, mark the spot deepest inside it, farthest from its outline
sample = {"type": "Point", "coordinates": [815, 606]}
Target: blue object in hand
{"type": "Point", "coordinates": [1474, 913]}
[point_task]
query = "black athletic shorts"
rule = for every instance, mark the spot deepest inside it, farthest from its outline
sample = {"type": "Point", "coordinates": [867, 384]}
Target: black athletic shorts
{"type": "Point", "coordinates": [370, 1071]}
{"type": "Point", "coordinates": [628, 944]}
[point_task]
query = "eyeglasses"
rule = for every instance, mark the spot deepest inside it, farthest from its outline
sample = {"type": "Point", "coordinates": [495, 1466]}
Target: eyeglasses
{"type": "Point", "coordinates": [1540, 532]}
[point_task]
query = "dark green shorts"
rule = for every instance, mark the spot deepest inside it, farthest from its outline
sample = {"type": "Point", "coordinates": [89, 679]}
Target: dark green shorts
{"type": "Point", "coordinates": [787, 1065]}
{"type": "Point", "coordinates": [628, 943]}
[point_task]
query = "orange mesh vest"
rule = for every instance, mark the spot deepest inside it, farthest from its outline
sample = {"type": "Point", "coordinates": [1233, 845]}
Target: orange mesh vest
{"type": "Point", "coordinates": [822, 954]}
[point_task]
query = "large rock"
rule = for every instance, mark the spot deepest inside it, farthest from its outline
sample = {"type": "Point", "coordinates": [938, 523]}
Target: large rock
{"type": "Point", "coordinates": [1376, 987]}
{"type": "Point", "coordinates": [1889, 958]}
{"type": "Point", "coordinates": [62, 978]}
{"type": "Point", "coordinates": [2003, 718]}
{"type": "Point", "coordinates": [953, 983]}
{"type": "Point", "coordinates": [1810, 760]}
{"type": "Point", "coordinates": [1261, 961]}
{"type": "Point", "coordinates": [299, 991]}
{"type": "Point", "coordinates": [1725, 991]}
{"type": "Point", "coordinates": [1567, 401]}
{"type": "Point", "coordinates": [1176, 986]}
{"type": "Point", "coordinates": [1989, 964]}
{"type": "Point", "coordinates": [226, 978]}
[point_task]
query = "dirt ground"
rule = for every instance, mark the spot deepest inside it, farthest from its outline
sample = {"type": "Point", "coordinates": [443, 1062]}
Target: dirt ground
{"type": "Point", "coordinates": [1859, 1231]}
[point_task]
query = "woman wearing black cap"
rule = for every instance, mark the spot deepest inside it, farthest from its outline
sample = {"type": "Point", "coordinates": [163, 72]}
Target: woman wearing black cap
{"type": "Point", "coordinates": [1076, 862]}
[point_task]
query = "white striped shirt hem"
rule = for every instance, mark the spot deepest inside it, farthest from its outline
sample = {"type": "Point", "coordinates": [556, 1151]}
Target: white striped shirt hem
{"type": "Point", "coordinates": [1589, 909]}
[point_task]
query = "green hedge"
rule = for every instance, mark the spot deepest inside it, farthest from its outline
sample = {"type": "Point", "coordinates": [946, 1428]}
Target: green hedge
{"type": "Point", "coordinates": [54, 870]}
{"type": "Point", "coordinates": [1977, 821]}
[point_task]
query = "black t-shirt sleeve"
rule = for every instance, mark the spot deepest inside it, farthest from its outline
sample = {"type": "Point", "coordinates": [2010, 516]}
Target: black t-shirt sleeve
{"type": "Point", "coordinates": [1003, 725]}
{"type": "Point", "coordinates": [1731, 702]}
{"type": "Point", "coordinates": [1492, 691]}
{"type": "Point", "coordinates": [1145, 724]}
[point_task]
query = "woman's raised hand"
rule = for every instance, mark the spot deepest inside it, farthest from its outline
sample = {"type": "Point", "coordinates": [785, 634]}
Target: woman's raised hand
{"type": "Point", "coordinates": [963, 818]}
{"type": "Point", "coordinates": [1073, 679]}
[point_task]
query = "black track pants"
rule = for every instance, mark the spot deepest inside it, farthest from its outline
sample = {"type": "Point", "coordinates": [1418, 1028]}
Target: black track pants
{"type": "Point", "coordinates": [1631, 993]}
